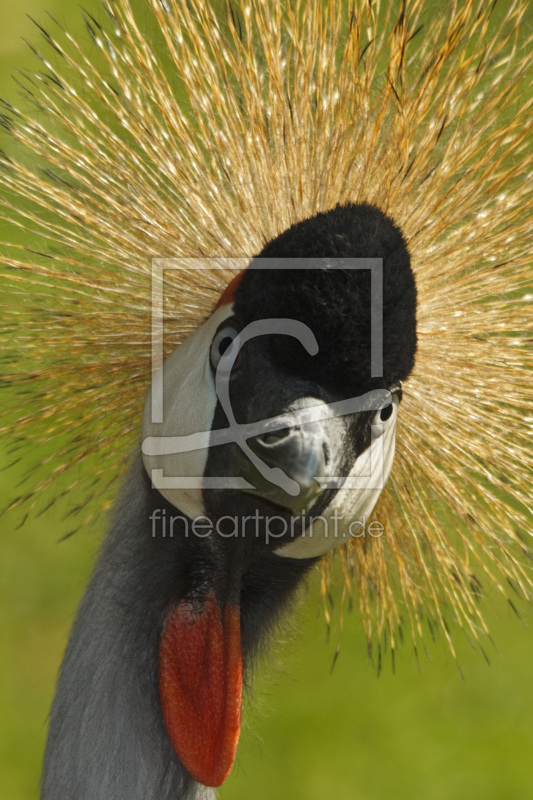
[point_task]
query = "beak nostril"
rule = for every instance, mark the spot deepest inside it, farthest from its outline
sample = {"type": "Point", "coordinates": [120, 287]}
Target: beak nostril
{"type": "Point", "coordinates": [273, 437]}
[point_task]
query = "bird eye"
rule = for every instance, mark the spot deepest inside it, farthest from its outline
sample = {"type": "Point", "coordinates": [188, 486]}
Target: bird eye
{"type": "Point", "coordinates": [386, 414]}
{"type": "Point", "coordinates": [221, 344]}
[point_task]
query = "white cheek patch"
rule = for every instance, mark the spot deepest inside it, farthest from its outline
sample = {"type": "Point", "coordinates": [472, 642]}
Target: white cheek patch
{"type": "Point", "coordinates": [187, 391]}
{"type": "Point", "coordinates": [353, 503]}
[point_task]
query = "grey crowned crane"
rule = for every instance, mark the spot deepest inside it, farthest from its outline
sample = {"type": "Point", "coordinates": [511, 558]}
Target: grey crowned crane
{"type": "Point", "coordinates": [148, 704]}
{"type": "Point", "coordinates": [327, 131]}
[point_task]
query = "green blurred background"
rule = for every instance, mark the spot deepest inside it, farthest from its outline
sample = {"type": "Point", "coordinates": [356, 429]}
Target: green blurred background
{"type": "Point", "coordinates": [431, 731]}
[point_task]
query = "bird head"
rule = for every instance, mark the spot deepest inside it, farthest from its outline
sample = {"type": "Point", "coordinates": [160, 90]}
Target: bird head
{"type": "Point", "coordinates": [278, 416]}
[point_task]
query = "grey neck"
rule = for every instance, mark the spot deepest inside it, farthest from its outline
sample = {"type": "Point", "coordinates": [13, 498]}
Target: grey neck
{"type": "Point", "coordinates": [106, 735]}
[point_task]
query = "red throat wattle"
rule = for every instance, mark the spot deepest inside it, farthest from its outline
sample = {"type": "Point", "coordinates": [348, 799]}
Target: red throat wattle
{"type": "Point", "coordinates": [200, 685]}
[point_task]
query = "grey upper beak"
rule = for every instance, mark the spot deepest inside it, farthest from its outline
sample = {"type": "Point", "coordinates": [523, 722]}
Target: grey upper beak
{"type": "Point", "coordinates": [289, 459]}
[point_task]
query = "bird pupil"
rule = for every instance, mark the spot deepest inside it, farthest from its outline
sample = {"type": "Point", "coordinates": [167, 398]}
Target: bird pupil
{"type": "Point", "coordinates": [224, 344]}
{"type": "Point", "coordinates": [386, 413]}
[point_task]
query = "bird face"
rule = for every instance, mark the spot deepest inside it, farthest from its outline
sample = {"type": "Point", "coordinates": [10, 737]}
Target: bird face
{"type": "Point", "coordinates": [244, 435]}
{"type": "Point", "coordinates": [300, 447]}
{"type": "Point", "coordinates": [273, 406]}
{"type": "Point", "coordinates": [276, 438]}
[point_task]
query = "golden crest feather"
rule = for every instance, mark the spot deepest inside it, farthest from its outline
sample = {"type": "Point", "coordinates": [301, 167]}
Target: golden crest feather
{"type": "Point", "coordinates": [214, 132]}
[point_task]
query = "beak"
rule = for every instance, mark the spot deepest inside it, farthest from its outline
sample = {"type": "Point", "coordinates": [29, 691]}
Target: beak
{"type": "Point", "coordinates": [289, 462]}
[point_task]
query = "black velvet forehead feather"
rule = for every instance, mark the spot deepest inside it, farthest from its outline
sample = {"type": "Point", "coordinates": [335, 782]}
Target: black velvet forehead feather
{"type": "Point", "coordinates": [335, 303]}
